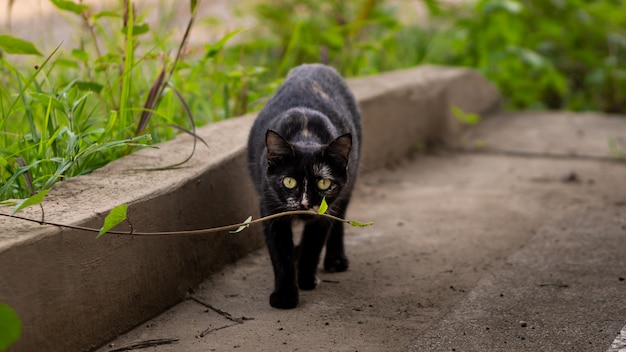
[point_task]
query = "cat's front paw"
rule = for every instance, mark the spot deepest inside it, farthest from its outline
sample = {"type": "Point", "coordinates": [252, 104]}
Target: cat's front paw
{"type": "Point", "coordinates": [336, 264]}
{"type": "Point", "coordinates": [308, 282]}
{"type": "Point", "coordinates": [284, 299]}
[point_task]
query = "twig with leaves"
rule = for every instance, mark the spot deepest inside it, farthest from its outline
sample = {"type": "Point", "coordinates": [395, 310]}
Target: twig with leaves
{"type": "Point", "coordinates": [118, 215]}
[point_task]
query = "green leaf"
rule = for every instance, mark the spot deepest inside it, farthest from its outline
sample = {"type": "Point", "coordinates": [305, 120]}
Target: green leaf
{"type": "Point", "coordinates": [89, 86]}
{"type": "Point", "coordinates": [67, 63]}
{"type": "Point", "coordinates": [116, 216]}
{"type": "Point", "coordinates": [509, 6]}
{"type": "Point", "coordinates": [194, 5]}
{"type": "Point", "coordinates": [70, 6]}
{"type": "Point", "coordinates": [464, 117]}
{"type": "Point", "coordinates": [137, 29]}
{"type": "Point", "coordinates": [213, 49]}
{"type": "Point", "coordinates": [32, 200]}
{"type": "Point", "coordinates": [10, 327]}
{"type": "Point", "coordinates": [79, 54]}
{"type": "Point", "coordinates": [12, 45]}
{"type": "Point", "coordinates": [323, 207]}
{"type": "Point", "coordinates": [106, 14]}
{"type": "Point", "coordinates": [433, 7]}
{"type": "Point", "coordinates": [360, 224]}
{"type": "Point", "coordinates": [8, 203]}
{"type": "Point", "coordinates": [46, 99]}
{"type": "Point", "coordinates": [243, 227]}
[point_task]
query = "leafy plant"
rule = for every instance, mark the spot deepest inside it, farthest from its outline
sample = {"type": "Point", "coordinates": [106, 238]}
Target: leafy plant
{"type": "Point", "coordinates": [567, 54]}
{"type": "Point", "coordinates": [350, 35]}
{"type": "Point", "coordinates": [95, 104]}
{"type": "Point", "coordinates": [10, 327]}
{"type": "Point", "coordinates": [557, 54]}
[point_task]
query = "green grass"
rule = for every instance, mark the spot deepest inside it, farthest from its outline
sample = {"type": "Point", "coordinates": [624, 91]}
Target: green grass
{"type": "Point", "coordinates": [125, 84]}
{"type": "Point", "coordinates": [69, 113]}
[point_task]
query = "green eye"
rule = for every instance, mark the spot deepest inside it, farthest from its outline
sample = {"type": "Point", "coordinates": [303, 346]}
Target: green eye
{"type": "Point", "coordinates": [289, 182]}
{"type": "Point", "coordinates": [323, 184]}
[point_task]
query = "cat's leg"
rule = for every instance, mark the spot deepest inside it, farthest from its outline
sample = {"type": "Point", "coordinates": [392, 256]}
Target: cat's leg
{"type": "Point", "coordinates": [279, 240]}
{"type": "Point", "coordinates": [336, 260]}
{"type": "Point", "coordinates": [310, 248]}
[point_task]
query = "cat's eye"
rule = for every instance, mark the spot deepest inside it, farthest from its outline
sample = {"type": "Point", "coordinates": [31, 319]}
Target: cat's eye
{"type": "Point", "coordinates": [289, 182]}
{"type": "Point", "coordinates": [323, 184]}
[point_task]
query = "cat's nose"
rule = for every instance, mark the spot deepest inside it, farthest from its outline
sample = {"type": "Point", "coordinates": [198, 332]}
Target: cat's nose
{"type": "Point", "coordinates": [305, 201]}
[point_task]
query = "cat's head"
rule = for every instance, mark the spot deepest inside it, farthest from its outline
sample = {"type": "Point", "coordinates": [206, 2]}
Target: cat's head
{"type": "Point", "coordinates": [300, 175]}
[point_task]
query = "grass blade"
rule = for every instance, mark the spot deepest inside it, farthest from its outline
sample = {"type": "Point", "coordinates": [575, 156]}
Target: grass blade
{"type": "Point", "coordinates": [29, 180]}
{"type": "Point", "coordinates": [192, 132]}
{"type": "Point", "coordinates": [213, 49]}
{"type": "Point", "coordinates": [183, 42]}
{"type": "Point", "coordinates": [32, 200]}
{"type": "Point", "coordinates": [153, 97]}
{"type": "Point", "coordinates": [129, 51]}
{"type": "Point", "coordinates": [30, 81]}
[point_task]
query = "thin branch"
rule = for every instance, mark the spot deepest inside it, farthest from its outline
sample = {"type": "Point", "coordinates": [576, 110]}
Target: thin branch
{"type": "Point", "coordinates": [189, 232]}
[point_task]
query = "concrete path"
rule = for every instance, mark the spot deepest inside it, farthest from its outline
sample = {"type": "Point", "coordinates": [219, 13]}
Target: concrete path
{"type": "Point", "coordinates": [517, 245]}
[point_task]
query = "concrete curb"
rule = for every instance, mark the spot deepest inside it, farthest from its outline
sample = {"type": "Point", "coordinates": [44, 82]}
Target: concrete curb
{"type": "Point", "coordinates": [73, 292]}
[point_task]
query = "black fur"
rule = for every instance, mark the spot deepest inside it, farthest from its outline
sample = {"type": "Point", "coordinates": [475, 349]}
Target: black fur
{"type": "Point", "coordinates": [308, 131]}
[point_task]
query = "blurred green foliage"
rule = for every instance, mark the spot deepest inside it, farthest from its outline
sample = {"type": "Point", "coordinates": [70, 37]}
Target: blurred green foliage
{"type": "Point", "coordinates": [355, 37]}
{"type": "Point", "coordinates": [122, 86]}
{"type": "Point", "coordinates": [555, 54]}
{"type": "Point", "coordinates": [75, 111]}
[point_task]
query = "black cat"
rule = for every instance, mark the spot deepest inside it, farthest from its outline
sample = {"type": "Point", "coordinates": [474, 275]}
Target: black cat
{"type": "Point", "coordinates": [304, 146]}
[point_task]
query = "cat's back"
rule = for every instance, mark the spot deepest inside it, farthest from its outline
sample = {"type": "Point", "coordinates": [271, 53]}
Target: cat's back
{"type": "Point", "coordinates": [308, 87]}
{"type": "Point", "coordinates": [317, 87]}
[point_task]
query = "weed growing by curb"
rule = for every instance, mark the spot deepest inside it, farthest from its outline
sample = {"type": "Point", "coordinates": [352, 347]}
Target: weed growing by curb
{"type": "Point", "coordinates": [70, 113]}
{"type": "Point", "coordinates": [67, 114]}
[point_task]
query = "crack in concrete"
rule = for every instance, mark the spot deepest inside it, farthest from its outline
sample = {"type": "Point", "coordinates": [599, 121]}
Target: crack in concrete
{"type": "Point", "coordinates": [236, 321]}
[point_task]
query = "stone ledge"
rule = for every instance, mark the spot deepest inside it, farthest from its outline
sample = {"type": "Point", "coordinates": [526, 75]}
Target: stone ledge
{"type": "Point", "coordinates": [74, 292]}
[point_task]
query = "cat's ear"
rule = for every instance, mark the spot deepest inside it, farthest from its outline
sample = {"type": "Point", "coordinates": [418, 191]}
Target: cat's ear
{"type": "Point", "coordinates": [277, 147]}
{"type": "Point", "coordinates": [340, 148]}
